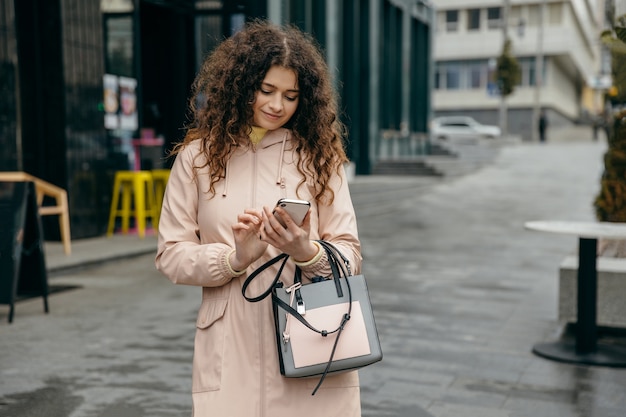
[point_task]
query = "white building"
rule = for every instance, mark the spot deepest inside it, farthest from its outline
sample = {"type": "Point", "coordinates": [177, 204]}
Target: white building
{"type": "Point", "coordinates": [560, 35]}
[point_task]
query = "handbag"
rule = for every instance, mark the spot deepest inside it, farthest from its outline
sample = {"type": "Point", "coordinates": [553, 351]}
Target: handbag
{"type": "Point", "coordinates": [324, 327]}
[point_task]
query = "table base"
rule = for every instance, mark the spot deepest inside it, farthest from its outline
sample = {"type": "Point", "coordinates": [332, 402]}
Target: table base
{"type": "Point", "coordinates": [604, 355]}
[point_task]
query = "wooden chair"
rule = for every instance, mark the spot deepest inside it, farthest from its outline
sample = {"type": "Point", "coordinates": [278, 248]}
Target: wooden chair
{"type": "Point", "coordinates": [44, 188]}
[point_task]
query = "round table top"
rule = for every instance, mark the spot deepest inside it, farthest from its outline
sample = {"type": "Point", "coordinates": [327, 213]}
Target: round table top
{"type": "Point", "coordinates": [590, 230]}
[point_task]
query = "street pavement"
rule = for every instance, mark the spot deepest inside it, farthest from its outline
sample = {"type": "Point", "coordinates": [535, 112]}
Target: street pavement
{"type": "Point", "coordinates": [461, 292]}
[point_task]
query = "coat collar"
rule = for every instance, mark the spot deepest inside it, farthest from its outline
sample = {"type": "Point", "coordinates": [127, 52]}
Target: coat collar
{"type": "Point", "coordinates": [274, 137]}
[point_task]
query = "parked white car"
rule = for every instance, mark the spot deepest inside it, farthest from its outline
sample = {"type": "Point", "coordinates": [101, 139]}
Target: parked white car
{"type": "Point", "coordinates": [462, 127]}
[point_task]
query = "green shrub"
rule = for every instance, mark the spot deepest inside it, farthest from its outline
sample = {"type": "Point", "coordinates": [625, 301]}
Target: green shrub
{"type": "Point", "coordinates": [610, 204]}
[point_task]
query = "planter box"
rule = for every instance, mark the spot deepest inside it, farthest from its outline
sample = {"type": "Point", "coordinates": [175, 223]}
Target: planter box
{"type": "Point", "coordinates": [611, 307]}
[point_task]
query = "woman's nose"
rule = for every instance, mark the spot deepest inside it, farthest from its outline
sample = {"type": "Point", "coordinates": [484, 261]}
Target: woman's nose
{"type": "Point", "coordinates": [276, 103]}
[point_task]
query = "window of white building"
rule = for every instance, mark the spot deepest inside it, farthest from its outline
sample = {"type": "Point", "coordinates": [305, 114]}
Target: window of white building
{"type": "Point", "coordinates": [473, 74]}
{"type": "Point", "coordinates": [527, 71]}
{"type": "Point", "coordinates": [473, 19]}
{"type": "Point", "coordinates": [452, 20]}
{"type": "Point", "coordinates": [453, 76]}
{"type": "Point", "coordinates": [494, 17]}
{"type": "Point", "coordinates": [533, 15]}
{"type": "Point", "coordinates": [555, 13]}
{"type": "Point", "coordinates": [476, 71]}
{"type": "Point", "coordinates": [461, 75]}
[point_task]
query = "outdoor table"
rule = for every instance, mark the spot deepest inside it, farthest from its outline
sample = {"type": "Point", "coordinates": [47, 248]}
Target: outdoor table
{"type": "Point", "coordinates": [586, 349]}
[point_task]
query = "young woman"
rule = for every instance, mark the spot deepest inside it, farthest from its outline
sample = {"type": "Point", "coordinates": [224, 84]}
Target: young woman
{"type": "Point", "coordinates": [265, 127]}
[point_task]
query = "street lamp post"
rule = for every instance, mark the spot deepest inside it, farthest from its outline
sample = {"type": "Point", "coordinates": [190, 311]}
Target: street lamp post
{"type": "Point", "coordinates": [539, 58]}
{"type": "Point", "coordinates": [505, 36]}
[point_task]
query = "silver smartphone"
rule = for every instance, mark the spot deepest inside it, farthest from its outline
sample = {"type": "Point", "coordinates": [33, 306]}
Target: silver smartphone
{"type": "Point", "coordinates": [297, 209]}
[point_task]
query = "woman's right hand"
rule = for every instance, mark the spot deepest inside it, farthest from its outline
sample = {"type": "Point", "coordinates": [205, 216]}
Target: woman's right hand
{"type": "Point", "coordinates": [248, 246]}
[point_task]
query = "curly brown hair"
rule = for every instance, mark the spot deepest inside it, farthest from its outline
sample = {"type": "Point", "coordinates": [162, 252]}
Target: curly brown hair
{"type": "Point", "coordinates": [225, 88]}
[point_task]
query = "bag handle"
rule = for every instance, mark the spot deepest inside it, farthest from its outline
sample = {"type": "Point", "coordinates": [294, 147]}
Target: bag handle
{"type": "Point", "coordinates": [337, 268]}
{"type": "Point", "coordinates": [260, 269]}
{"type": "Point", "coordinates": [332, 251]}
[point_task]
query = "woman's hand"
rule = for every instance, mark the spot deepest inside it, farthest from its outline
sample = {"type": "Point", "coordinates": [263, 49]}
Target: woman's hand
{"type": "Point", "coordinates": [248, 246]}
{"type": "Point", "coordinates": [293, 240]}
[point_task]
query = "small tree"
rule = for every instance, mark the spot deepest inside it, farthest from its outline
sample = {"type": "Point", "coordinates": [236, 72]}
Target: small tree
{"type": "Point", "coordinates": [610, 204]}
{"type": "Point", "coordinates": [615, 40]}
{"type": "Point", "coordinates": [507, 74]}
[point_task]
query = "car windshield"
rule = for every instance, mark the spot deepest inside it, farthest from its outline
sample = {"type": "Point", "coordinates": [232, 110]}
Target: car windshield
{"type": "Point", "coordinates": [458, 122]}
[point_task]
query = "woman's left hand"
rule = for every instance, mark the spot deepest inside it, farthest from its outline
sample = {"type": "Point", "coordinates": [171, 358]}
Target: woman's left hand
{"type": "Point", "coordinates": [293, 240]}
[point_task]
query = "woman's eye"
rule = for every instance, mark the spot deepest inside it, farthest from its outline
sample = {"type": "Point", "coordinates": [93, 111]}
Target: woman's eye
{"type": "Point", "coordinates": [265, 92]}
{"type": "Point", "coordinates": [291, 98]}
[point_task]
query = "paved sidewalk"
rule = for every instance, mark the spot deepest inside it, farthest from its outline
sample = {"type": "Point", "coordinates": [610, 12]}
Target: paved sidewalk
{"type": "Point", "coordinates": [96, 251]}
{"type": "Point", "coordinates": [461, 293]}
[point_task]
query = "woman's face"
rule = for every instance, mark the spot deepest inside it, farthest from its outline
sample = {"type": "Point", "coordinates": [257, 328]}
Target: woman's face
{"type": "Point", "coordinates": [277, 99]}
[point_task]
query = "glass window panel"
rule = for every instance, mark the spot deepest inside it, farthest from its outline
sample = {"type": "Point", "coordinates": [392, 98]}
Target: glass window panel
{"type": "Point", "coordinates": [452, 20]}
{"type": "Point", "coordinates": [494, 15]}
{"type": "Point", "coordinates": [208, 5]}
{"type": "Point", "coordinates": [441, 21]}
{"type": "Point", "coordinates": [532, 79]}
{"type": "Point", "coordinates": [533, 15]}
{"type": "Point", "coordinates": [555, 13]}
{"type": "Point", "coordinates": [515, 14]}
{"type": "Point", "coordinates": [475, 75]}
{"type": "Point", "coordinates": [453, 77]}
{"type": "Point", "coordinates": [527, 66]}
{"type": "Point", "coordinates": [119, 45]}
{"type": "Point", "coordinates": [473, 19]}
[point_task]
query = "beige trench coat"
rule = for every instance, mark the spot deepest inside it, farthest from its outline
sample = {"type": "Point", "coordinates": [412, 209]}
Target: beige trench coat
{"type": "Point", "coordinates": [235, 366]}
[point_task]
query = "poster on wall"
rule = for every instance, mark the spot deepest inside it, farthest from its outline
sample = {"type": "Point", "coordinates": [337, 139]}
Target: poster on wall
{"type": "Point", "coordinates": [120, 102]}
{"type": "Point", "coordinates": [128, 101]}
{"type": "Point", "coordinates": [111, 102]}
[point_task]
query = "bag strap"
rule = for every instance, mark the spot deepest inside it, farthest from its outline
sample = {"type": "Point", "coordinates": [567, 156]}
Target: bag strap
{"type": "Point", "coordinates": [302, 320]}
{"type": "Point", "coordinates": [332, 251]}
{"type": "Point", "coordinates": [260, 269]}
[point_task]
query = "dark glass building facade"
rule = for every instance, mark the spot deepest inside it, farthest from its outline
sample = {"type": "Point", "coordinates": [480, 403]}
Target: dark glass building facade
{"type": "Point", "coordinates": [54, 55]}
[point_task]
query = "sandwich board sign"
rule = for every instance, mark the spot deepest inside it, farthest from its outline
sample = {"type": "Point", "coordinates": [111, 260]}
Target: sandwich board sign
{"type": "Point", "coordinates": [22, 260]}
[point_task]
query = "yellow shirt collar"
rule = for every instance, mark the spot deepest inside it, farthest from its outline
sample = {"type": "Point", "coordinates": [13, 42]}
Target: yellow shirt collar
{"type": "Point", "coordinates": [257, 134]}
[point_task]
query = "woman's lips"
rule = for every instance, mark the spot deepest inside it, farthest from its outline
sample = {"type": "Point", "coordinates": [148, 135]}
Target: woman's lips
{"type": "Point", "coordinates": [271, 116]}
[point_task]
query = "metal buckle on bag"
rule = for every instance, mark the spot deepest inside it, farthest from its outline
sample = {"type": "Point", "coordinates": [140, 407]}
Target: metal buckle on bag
{"type": "Point", "coordinates": [300, 308]}
{"type": "Point", "coordinates": [294, 287]}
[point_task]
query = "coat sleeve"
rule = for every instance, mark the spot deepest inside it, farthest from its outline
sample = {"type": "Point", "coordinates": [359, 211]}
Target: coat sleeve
{"type": "Point", "coordinates": [337, 224]}
{"type": "Point", "coordinates": [181, 256]}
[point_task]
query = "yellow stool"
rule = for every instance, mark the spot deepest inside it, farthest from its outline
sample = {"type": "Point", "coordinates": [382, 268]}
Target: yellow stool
{"type": "Point", "coordinates": [160, 177]}
{"type": "Point", "coordinates": [138, 186]}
